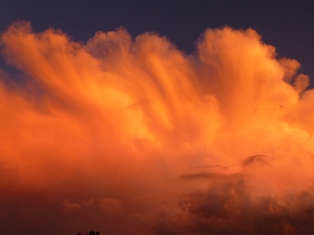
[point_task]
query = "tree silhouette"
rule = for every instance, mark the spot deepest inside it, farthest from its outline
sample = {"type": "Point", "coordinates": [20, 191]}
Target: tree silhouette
{"type": "Point", "coordinates": [90, 233]}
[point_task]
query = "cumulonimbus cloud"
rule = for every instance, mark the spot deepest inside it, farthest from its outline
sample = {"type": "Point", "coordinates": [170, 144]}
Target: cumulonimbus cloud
{"type": "Point", "coordinates": [155, 140]}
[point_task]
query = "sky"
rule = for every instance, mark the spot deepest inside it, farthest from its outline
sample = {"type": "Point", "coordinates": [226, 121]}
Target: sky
{"type": "Point", "coordinates": [157, 117]}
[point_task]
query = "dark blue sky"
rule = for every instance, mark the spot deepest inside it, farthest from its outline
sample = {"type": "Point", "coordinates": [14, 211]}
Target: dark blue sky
{"type": "Point", "coordinates": [288, 25]}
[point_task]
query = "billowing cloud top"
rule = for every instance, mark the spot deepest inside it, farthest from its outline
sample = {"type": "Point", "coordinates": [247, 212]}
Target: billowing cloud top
{"type": "Point", "coordinates": [135, 137]}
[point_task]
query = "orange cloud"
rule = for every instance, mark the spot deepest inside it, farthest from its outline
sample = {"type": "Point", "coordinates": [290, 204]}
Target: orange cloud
{"type": "Point", "coordinates": [132, 136]}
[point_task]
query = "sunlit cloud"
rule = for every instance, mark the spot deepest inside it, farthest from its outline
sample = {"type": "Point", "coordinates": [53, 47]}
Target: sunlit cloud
{"type": "Point", "coordinates": [133, 136]}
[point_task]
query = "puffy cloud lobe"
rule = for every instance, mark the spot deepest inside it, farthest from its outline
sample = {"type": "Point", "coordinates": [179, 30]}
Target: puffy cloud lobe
{"type": "Point", "coordinates": [136, 133]}
{"type": "Point", "coordinates": [69, 206]}
{"type": "Point", "coordinates": [229, 207]}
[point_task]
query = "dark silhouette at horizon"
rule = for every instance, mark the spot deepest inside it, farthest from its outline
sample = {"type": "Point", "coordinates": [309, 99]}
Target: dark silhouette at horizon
{"type": "Point", "coordinates": [90, 233]}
